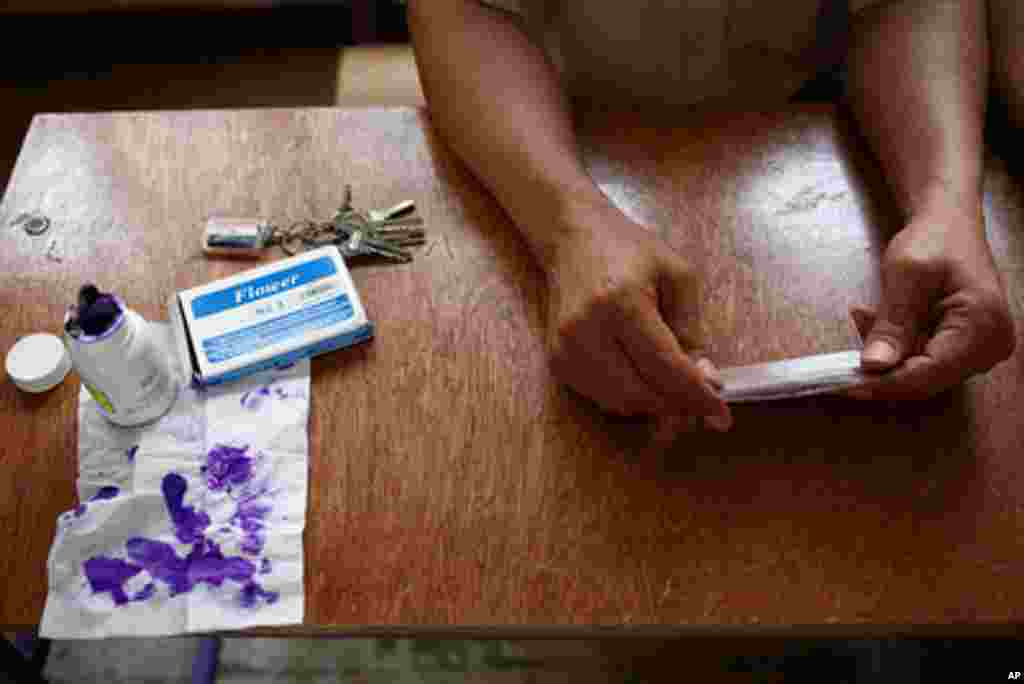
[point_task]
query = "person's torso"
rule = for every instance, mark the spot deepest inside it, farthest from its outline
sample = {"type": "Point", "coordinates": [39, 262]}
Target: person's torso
{"type": "Point", "coordinates": [685, 52]}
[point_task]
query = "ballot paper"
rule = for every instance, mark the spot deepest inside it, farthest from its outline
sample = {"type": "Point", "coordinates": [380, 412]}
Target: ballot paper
{"type": "Point", "coordinates": [801, 377]}
{"type": "Point", "coordinates": [192, 523]}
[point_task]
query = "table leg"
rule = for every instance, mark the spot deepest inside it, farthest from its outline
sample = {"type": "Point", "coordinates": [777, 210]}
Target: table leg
{"type": "Point", "coordinates": [19, 669]}
{"type": "Point", "coordinates": [364, 21]}
{"type": "Point", "coordinates": [204, 667]}
{"type": "Point", "coordinates": [33, 648]}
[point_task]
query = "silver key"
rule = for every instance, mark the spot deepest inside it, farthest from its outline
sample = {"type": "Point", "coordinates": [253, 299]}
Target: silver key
{"type": "Point", "coordinates": [359, 244]}
{"type": "Point", "coordinates": [400, 209]}
{"type": "Point", "coordinates": [395, 223]}
{"type": "Point", "coordinates": [399, 236]}
{"type": "Point", "coordinates": [386, 249]}
{"type": "Point", "coordinates": [395, 232]}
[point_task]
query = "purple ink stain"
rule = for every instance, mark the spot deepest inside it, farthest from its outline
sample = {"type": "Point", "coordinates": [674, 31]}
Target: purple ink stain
{"type": "Point", "coordinates": [250, 516]}
{"type": "Point", "coordinates": [253, 541]}
{"type": "Point", "coordinates": [109, 575]}
{"type": "Point", "coordinates": [205, 563]}
{"type": "Point", "coordinates": [131, 453]}
{"type": "Point", "coordinates": [188, 524]}
{"type": "Point", "coordinates": [251, 593]}
{"type": "Point", "coordinates": [108, 492]}
{"type": "Point", "coordinates": [282, 393]}
{"type": "Point", "coordinates": [253, 399]}
{"type": "Point", "coordinates": [105, 493]}
{"type": "Point", "coordinates": [146, 593]}
{"type": "Point", "coordinates": [226, 466]}
{"type": "Point", "coordinates": [161, 561]}
{"type": "Point", "coordinates": [209, 565]}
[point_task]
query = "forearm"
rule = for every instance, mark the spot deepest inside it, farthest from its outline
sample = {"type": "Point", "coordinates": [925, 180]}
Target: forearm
{"type": "Point", "coordinates": [498, 103]}
{"type": "Point", "coordinates": [918, 82]}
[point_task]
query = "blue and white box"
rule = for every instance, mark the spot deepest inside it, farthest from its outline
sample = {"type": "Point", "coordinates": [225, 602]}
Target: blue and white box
{"type": "Point", "coordinates": [268, 316]}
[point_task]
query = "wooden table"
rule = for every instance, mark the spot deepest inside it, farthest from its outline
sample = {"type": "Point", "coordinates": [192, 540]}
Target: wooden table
{"type": "Point", "coordinates": [455, 487]}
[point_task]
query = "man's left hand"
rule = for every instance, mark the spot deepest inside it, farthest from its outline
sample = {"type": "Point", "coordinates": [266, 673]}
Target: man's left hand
{"type": "Point", "coordinates": [944, 315]}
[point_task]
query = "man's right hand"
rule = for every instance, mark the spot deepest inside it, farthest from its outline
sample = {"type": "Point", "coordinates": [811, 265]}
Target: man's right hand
{"type": "Point", "coordinates": [624, 325]}
{"type": "Point", "coordinates": [624, 308]}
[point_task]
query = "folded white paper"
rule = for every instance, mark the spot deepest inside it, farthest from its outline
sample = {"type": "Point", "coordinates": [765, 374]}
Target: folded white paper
{"type": "Point", "coordinates": [192, 523]}
{"type": "Point", "coordinates": [792, 378]}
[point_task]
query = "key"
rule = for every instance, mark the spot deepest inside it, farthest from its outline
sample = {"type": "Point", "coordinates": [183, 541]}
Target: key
{"type": "Point", "coordinates": [397, 211]}
{"type": "Point", "coordinates": [379, 226]}
{"type": "Point", "coordinates": [346, 204]}
{"type": "Point", "coordinates": [400, 238]}
{"type": "Point", "coordinates": [358, 244]}
{"type": "Point", "coordinates": [386, 249]}
{"type": "Point", "coordinates": [396, 231]}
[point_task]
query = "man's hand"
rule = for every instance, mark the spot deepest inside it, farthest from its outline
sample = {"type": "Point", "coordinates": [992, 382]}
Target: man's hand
{"type": "Point", "coordinates": [944, 315]}
{"type": "Point", "coordinates": [624, 323]}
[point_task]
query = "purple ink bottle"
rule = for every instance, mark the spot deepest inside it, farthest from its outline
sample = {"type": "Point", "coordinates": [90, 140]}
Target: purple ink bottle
{"type": "Point", "coordinates": [120, 362]}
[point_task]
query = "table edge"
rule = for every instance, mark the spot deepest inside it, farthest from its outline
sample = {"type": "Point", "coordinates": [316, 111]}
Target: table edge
{"type": "Point", "coordinates": [616, 632]}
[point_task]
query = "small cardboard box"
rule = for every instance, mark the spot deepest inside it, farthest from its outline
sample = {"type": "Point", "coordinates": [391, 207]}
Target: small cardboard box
{"type": "Point", "coordinates": [268, 316]}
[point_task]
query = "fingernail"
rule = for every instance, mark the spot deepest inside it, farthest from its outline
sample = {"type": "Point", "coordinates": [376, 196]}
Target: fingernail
{"type": "Point", "coordinates": [858, 393]}
{"type": "Point", "coordinates": [880, 354]}
{"type": "Point", "coordinates": [710, 371]}
{"type": "Point", "coordinates": [720, 423]}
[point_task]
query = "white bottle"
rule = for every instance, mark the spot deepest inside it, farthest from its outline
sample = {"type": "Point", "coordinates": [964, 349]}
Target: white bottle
{"type": "Point", "coordinates": [124, 368]}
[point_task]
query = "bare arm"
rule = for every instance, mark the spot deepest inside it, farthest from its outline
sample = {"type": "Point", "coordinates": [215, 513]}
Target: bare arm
{"type": "Point", "coordinates": [624, 318]}
{"type": "Point", "coordinates": [919, 78]}
{"type": "Point", "coordinates": [508, 119]}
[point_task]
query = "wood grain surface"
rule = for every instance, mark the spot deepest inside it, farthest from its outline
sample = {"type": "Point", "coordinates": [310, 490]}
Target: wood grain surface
{"type": "Point", "coordinates": [454, 486]}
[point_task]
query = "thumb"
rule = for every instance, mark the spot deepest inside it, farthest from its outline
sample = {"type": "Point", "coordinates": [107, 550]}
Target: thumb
{"type": "Point", "coordinates": [680, 295]}
{"type": "Point", "coordinates": [901, 319]}
{"type": "Point", "coordinates": [863, 320]}
{"type": "Point", "coordinates": [679, 301]}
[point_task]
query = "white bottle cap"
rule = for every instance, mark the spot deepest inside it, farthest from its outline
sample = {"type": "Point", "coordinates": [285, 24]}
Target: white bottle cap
{"type": "Point", "coordinates": [37, 363]}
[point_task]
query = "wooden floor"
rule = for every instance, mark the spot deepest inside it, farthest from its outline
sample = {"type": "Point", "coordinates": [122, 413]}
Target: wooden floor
{"type": "Point", "coordinates": [256, 78]}
{"type": "Point", "coordinates": [219, 65]}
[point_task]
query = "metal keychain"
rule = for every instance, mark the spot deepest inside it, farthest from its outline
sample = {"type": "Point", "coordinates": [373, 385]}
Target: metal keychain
{"type": "Point", "coordinates": [360, 244]}
{"type": "Point", "coordinates": [397, 211]}
{"type": "Point", "coordinates": [380, 232]}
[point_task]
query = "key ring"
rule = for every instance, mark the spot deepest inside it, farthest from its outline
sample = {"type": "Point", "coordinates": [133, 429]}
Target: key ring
{"type": "Point", "coordinates": [351, 225]}
{"type": "Point", "coordinates": [293, 238]}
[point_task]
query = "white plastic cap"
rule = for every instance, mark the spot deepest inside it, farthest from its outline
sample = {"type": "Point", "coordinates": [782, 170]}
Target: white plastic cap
{"type": "Point", "coordinates": [37, 363]}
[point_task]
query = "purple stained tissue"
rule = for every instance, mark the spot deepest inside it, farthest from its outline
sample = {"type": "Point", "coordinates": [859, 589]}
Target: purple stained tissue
{"type": "Point", "coordinates": [205, 563]}
{"type": "Point", "coordinates": [250, 515]}
{"type": "Point", "coordinates": [253, 399]}
{"type": "Point", "coordinates": [182, 537]}
{"type": "Point", "coordinates": [189, 525]}
{"type": "Point", "coordinates": [227, 466]}
{"type": "Point", "coordinates": [104, 493]}
{"type": "Point", "coordinates": [110, 574]}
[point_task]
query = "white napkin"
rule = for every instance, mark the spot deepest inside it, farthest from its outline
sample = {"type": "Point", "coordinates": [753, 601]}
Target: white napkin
{"type": "Point", "coordinates": [192, 523]}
